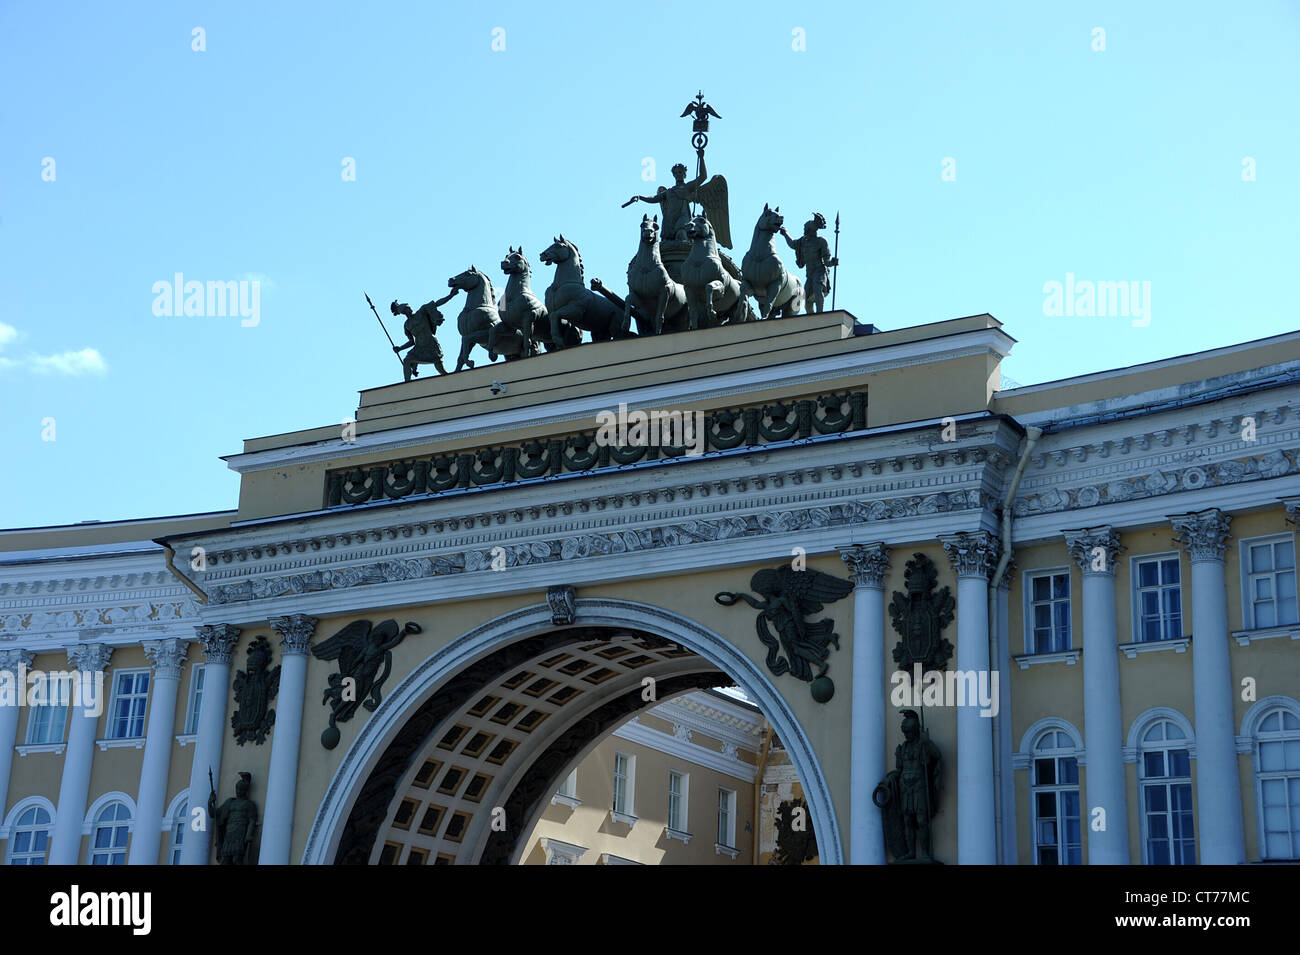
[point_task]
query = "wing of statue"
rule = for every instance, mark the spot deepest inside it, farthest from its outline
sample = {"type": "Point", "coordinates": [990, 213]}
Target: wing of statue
{"type": "Point", "coordinates": [713, 197]}
{"type": "Point", "coordinates": [353, 637]}
{"type": "Point", "coordinates": [813, 588]}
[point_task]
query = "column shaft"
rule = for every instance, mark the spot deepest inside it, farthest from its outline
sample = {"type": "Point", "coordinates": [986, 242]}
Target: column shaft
{"type": "Point", "coordinates": [218, 643]}
{"type": "Point", "coordinates": [1103, 731]}
{"type": "Point", "coordinates": [973, 556]}
{"type": "Point", "coordinates": [74, 785]}
{"type": "Point", "coordinates": [151, 801]}
{"type": "Point", "coordinates": [1221, 835]}
{"type": "Point", "coordinates": [282, 783]}
{"type": "Point", "coordinates": [15, 662]}
{"type": "Point", "coordinates": [867, 564]}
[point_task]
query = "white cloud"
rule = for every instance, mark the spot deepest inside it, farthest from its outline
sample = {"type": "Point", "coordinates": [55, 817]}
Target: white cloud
{"type": "Point", "coordinates": [87, 361]}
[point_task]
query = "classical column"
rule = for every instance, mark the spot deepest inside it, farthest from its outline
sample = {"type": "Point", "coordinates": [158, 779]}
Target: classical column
{"type": "Point", "coordinates": [218, 642]}
{"type": "Point", "coordinates": [13, 666]}
{"type": "Point", "coordinates": [1095, 549]}
{"type": "Point", "coordinates": [84, 710]}
{"type": "Point", "coordinates": [282, 783]}
{"type": "Point", "coordinates": [1218, 783]}
{"type": "Point", "coordinates": [973, 556]}
{"type": "Point", "coordinates": [1002, 666]}
{"type": "Point", "coordinates": [151, 802]}
{"type": "Point", "coordinates": [867, 566]}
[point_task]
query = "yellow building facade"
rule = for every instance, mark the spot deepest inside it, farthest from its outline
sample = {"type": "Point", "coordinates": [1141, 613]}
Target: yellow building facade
{"type": "Point", "coordinates": [1119, 549]}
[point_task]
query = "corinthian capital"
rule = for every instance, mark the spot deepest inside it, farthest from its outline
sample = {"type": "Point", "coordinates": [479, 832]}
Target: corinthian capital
{"type": "Point", "coordinates": [295, 631]}
{"type": "Point", "coordinates": [972, 554]}
{"type": "Point", "coordinates": [167, 656]}
{"type": "Point", "coordinates": [11, 660]}
{"type": "Point", "coordinates": [218, 641]}
{"type": "Point", "coordinates": [1094, 549]}
{"type": "Point", "coordinates": [89, 657]}
{"type": "Point", "coordinates": [1204, 533]}
{"type": "Point", "coordinates": [867, 563]}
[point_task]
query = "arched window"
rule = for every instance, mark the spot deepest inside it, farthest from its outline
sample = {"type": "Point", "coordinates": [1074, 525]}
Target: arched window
{"type": "Point", "coordinates": [1277, 783]}
{"type": "Point", "coordinates": [1054, 797]}
{"type": "Point", "coordinates": [109, 835]}
{"type": "Point", "coordinates": [178, 833]}
{"type": "Point", "coordinates": [1165, 778]}
{"type": "Point", "coordinates": [29, 837]}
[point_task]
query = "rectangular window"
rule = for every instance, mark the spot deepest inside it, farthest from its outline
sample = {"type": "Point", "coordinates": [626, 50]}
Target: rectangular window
{"type": "Point", "coordinates": [1049, 612]}
{"type": "Point", "coordinates": [677, 783]}
{"type": "Point", "coordinates": [727, 818]}
{"type": "Point", "coordinates": [570, 785]}
{"type": "Point", "coordinates": [1157, 599]}
{"type": "Point", "coordinates": [47, 722]}
{"type": "Point", "coordinates": [126, 712]}
{"type": "Point", "coordinates": [1057, 836]}
{"type": "Point", "coordinates": [196, 701]}
{"type": "Point", "coordinates": [1269, 596]}
{"type": "Point", "coordinates": [623, 783]}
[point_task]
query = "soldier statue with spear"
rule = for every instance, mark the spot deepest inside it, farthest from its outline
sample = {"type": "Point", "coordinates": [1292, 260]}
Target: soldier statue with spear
{"type": "Point", "coordinates": [421, 329]}
{"type": "Point", "coordinates": [813, 253]}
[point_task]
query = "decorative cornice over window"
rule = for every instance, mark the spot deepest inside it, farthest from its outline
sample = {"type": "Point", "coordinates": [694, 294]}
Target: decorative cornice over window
{"type": "Point", "coordinates": [723, 430]}
{"type": "Point", "coordinates": [720, 849]}
{"type": "Point", "coordinates": [682, 837]}
{"type": "Point", "coordinates": [625, 818]}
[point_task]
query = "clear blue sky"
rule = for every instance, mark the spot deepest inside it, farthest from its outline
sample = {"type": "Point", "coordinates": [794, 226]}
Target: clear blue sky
{"type": "Point", "coordinates": [226, 164]}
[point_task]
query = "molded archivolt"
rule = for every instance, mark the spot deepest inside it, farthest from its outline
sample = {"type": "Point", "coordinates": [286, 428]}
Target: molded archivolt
{"type": "Point", "coordinates": [499, 716]}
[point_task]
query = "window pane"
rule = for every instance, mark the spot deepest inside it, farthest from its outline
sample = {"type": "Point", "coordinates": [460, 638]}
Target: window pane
{"type": "Point", "coordinates": [1148, 574]}
{"type": "Point", "coordinates": [1181, 765]}
{"type": "Point", "coordinates": [1153, 766]}
{"type": "Point", "coordinates": [1169, 570]}
{"type": "Point", "coordinates": [1070, 773]}
{"type": "Point", "coordinates": [1042, 588]}
{"type": "Point", "coordinates": [1261, 558]}
{"type": "Point", "coordinates": [1061, 586]}
{"type": "Point", "coordinates": [1044, 772]}
{"type": "Point", "coordinates": [1284, 555]}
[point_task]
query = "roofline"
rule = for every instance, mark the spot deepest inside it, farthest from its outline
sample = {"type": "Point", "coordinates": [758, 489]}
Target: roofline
{"type": "Point", "coordinates": [122, 523]}
{"type": "Point", "coordinates": [1159, 362]}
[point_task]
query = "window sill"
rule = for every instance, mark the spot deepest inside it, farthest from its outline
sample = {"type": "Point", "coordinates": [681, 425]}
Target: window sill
{"type": "Point", "coordinates": [184, 738]}
{"type": "Point", "coordinates": [683, 837]}
{"type": "Point", "coordinates": [624, 817]}
{"type": "Point", "coordinates": [106, 744]}
{"type": "Point", "coordinates": [608, 858]}
{"type": "Point", "coordinates": [720, 849]}
{"type": "Point", "coordinates": [1070, 657]}
{"type": "Point", "coordinates": [1131, 650]}
{"type": "Point", "coordinates": [1243, 637]}
{"type": "Point", "coordinates": [56, 748]}
{"type": "Point", "coordinates": [561, 799]}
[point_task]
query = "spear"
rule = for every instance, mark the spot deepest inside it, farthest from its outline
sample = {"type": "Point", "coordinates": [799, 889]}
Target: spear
{"type": "Point", "coordinates": [836, 283]}
{"type": "Point", "coordinates": [385, 327]}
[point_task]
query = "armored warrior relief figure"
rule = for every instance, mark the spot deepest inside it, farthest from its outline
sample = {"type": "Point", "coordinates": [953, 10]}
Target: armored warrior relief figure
{"type": "Point", "coordinates": [421, 335]}
{"type": "Point", "coordinates": [235, 821]}
{"type": "Point", "coordinates": [813, 253]}
{"type": "Point", "coordinates": [909, 796]}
